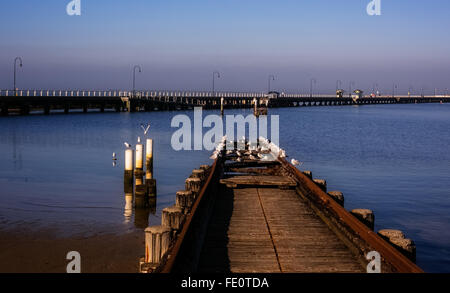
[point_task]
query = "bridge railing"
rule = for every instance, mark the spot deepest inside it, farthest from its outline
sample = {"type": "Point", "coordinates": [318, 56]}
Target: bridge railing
{"type": "Point", "coordinates": [173, 94]}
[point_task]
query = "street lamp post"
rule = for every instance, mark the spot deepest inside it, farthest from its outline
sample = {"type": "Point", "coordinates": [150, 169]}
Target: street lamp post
{"type": "Point", "coordinates": [311, 86]}
{"type": "Point", "coordinates": [134, 78]}
{"type": "Point", "coordinates": [338, 84]}
{"type": "Point", "coordinates": [271, 77]}
{"type": "Point", "coordinates": [213, 81]}
{"type": "Point", "coordinates": [410, 91]}
{"type": "Point", "coordinates": [352, 83]}
{"type": "Point", "coordinates": [15, 66]}
{"type": "Point", "coordinates": [375, 88]}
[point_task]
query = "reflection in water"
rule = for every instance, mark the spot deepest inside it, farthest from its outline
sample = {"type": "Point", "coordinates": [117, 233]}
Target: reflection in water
{"type": "Point", "coordinates": [144, 198]}
{"type": "Point", "coordinates": [128, 207]}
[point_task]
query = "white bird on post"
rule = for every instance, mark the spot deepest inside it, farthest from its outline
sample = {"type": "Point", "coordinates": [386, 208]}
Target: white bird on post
{"type": "Point", "coordinates": [127, 144]}
{"type": "Point", "coordinates": [295, 162]}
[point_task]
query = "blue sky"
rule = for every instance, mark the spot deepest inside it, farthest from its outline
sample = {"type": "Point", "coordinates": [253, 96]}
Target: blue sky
{"type": "Point", "coordinates": [179, 43]}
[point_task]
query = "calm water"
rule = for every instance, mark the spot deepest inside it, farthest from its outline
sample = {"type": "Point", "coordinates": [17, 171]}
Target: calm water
{"type": "Point", "coordinates": [56, 171]}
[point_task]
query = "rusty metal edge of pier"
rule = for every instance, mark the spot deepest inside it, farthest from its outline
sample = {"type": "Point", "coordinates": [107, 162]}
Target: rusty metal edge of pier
{"type": "Point", "coordinates": [350, 223]}
{"type": "Point", "coordinates": [169, 262]}
{"type": "Point", "coordinates": [347, 227]}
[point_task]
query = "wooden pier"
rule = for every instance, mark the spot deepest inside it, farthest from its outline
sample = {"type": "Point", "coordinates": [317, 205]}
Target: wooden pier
{"type": "Point", "coordinates": [254, 212]}
{"type": "Point", "coordinates": [24, 102]}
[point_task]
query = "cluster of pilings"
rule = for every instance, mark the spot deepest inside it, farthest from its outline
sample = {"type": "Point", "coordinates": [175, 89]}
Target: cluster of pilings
{"type": "Point", "coordinates": [135, 176]}
{"type": "Point", "coordinates": [159, 239]}
{"type": "Point", "coordinates": [366, 216]}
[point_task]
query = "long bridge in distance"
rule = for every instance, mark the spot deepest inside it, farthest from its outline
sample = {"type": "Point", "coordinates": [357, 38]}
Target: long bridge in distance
{"type": "Point", "coordinates": [24, 102]}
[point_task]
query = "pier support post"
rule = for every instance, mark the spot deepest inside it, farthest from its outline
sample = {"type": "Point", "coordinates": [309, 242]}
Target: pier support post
{"type": "Point", "coordinates": [321, 183]}
{"type": "Point", "coordinates": [150, 184]}
{"type": "Point", "coordinates": [199, 173]}
{"type": "Point", "coordinates": [397, 239]}
{"type": "Point", "coordinates": [193, 185]}
{"type": "Point", "coordinates": [140, 193]}
{"type": "Point", "coordinates": [157, 241]}
{"type": "Point", "coordinates": [337, 196]}
{"type": "Point", "coordinates": [308, 174]}
{"type": "Point", "coordinates": [221, 105]}
{"type": "Point", "coordinates": [149, 155]}
{"type": "Point", "coordinates": [128, 173]}
{"type": "Point", "coordinates": [367, 217]}
{"type": "Point", "coordinates": [172, 217]}
{"type": "Point", "coordinates": [139, 157]}
{"type": "Point", "coordinates": [185, 200]}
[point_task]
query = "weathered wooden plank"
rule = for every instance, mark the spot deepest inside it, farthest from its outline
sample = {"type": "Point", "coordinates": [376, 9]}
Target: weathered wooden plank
{"type": "Point", "coordinates": [270, 230]}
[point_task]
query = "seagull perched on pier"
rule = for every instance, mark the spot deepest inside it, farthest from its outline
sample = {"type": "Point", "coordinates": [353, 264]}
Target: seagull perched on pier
{"type": "Point", "coordinates": [282, 154]}
{"type": "Point", "coordinates": [114, 157]}
{"type": "Point", "coordinates": [127, 144]}
{"type": "Point", "coordinates": [139, 139]}
{"type": "Point", "coordinates": [145, 127]}
{"type": "Point", "coordinates": [295, 162]}
{"type": "Point", "coordinates": [253, 158]}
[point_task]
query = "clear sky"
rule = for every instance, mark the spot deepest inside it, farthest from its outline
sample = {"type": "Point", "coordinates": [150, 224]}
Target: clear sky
{"type": "Point", "coordinates": [179, 43]}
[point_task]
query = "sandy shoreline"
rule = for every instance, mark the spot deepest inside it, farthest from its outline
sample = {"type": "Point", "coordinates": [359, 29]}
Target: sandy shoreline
{"type": "Point", "coordinates": [44, 253]}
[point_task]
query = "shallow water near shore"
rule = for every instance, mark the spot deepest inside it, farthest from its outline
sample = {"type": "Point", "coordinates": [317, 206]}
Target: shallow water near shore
{"type": "Point", "coordinates": [57, 171]}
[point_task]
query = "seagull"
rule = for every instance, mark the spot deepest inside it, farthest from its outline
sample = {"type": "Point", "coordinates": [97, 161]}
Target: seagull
{"type": "Point", "coordinates": [145, 127]}
{"type": "Point", "coordinates": [238, 153]}
{"type": "Point", "coordinates": [295, 162]}
{"type": "Point", "coordinates": [114, 157]}
{"type": "Point", "coordinates": [139, 139]}
{"type": "Point", "coordinates": [282, 154]}
{"type": "Point", "coordinates": [127, 144]}
{"type": "Point", "coordinates": [253, 158]}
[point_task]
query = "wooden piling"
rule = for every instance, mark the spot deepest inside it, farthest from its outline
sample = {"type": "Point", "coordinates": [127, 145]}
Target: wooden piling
{"type": "Point", "coordinates": [172, 217]}
{"type": "Point", "coordinates": [337, 196]}
{"type": "Point", "coordinates": [198, 173]}
{"type": "Point", "coordinates": [322, 184]}
{"type": "Point", "coordinates": [185, 200]}
{"type": "Point", "coordinates": [140, 194]}
{"type": "Point", "coordinates": [193, 185]}
{"type": "Point", "coordinates": [398, 240]}
{"type": "Point", "coordinates": [150, 184]}
{"type": "Point", "coordinates": [149, 155]}
{"type": "Point", "coordinates": [308, 174]}
{"type": "Point", "coordinates": [367, 217]}
{"type": "Point", "coordinates": [157, 241]}
{"type": "Point", "coordinates": [128, 172]}
{"type": "Point", "coordinates": [139, 157]}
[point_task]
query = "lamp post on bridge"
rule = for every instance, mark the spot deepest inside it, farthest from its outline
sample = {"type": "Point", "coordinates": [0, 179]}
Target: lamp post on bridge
{"type": "Point", "coordinates": [213, 81]}
{"type": "Point", "coordinates": [338, 85]}
{"type": "Point", "coordinates": [410, 90]}
{"type": "Point", "coordinates": [352, 83]}
{"type": "Point", "coordinates": [134, 78]}
{"type": "Point", "coordinates": [271, 77]}
{"type": "Point", "coordinates": [15, 66]}
{"type": "Point", "coordinates": [394, 87]}
{"type": "Point", "coordinates": [375, 89]}
{"type": "Point", "coordinates": [311, 86]}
